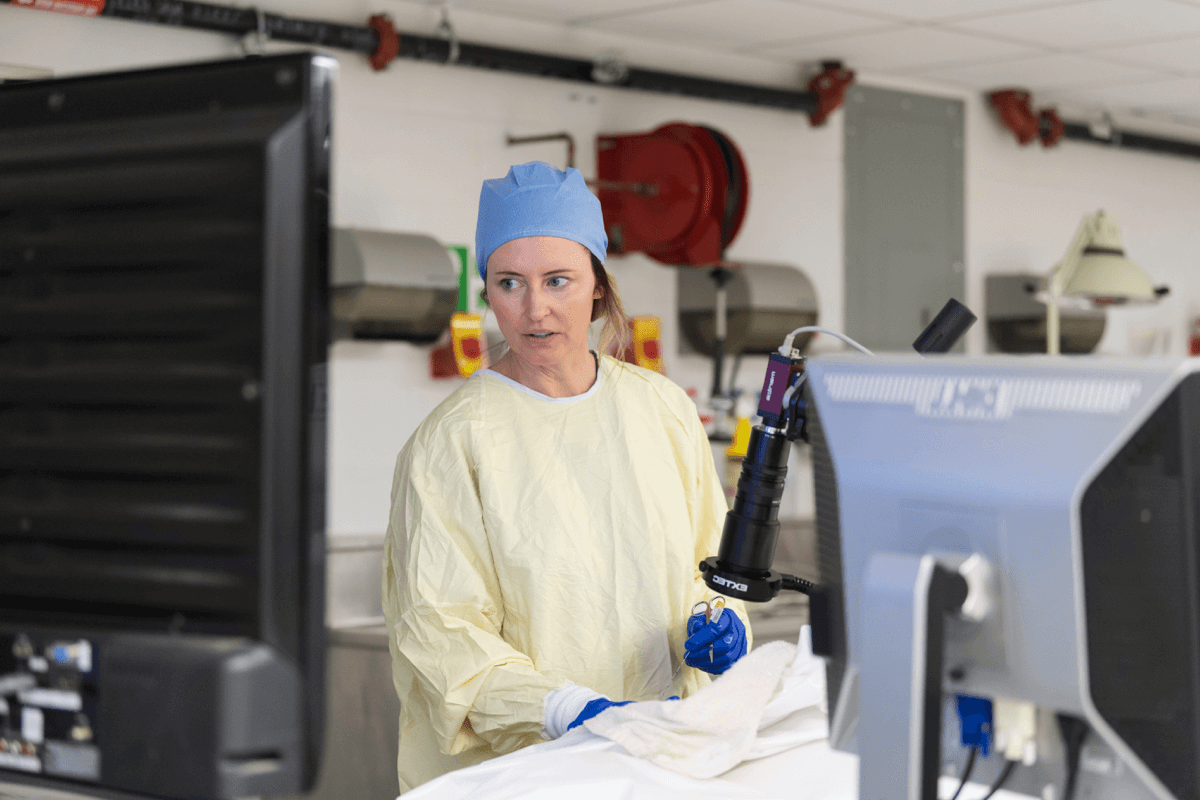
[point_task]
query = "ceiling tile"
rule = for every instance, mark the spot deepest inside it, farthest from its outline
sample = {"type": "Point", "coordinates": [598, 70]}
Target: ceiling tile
{"type": "Point", "coordinates": [736, 23]}
{"type": "Point", "coordinates": [1178, 55]}
{"type": "Point", "coordinates": [1095, 22]}
{"type": "Point", "coordinates": [930, 10]}
{"type": "Point", "coordinates": [1043, 72]}
{"type": "Point", "coordinates": [902, 49]}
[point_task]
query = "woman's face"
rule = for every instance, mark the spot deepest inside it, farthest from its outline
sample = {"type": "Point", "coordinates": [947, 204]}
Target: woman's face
{"type": "Point", "coordinates": [541, 290]}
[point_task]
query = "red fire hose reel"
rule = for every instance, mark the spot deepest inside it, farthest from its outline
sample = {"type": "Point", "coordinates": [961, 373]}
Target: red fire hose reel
{"type": "Point", "coordinates": [677, 194]}
{"type": "Point", "coordinates": [1019, 117]}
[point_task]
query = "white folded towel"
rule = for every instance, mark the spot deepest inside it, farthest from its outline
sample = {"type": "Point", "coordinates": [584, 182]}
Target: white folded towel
{"type": "Point", "coordinates": [770, 700]}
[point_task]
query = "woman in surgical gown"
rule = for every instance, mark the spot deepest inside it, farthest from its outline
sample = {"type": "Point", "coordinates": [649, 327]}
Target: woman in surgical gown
{"type": "Point", "coordinates": [549, 516]}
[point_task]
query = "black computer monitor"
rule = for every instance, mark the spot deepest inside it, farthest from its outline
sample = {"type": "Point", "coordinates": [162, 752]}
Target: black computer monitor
{"type": "Point", "coordinates": [163, 303]}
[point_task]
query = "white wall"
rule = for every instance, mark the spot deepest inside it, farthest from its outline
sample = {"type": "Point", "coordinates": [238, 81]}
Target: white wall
{"type": "Point", "coordinates": [413, 143]}
{"type": "Point", "coordinates": [418, 166]}
{"type": "Point", "coordinates": [1025, 204]}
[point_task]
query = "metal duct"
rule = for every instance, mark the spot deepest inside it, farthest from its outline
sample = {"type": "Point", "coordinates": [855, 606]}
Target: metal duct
{"type": "Point", "coordinates": [1017, 322]}
{"type": "Point", "coordinates": [765, 303]}
{"type": "Point", "coordinates": [1081, 132]}
{"type": "Point", "coordinates": [391, 285]}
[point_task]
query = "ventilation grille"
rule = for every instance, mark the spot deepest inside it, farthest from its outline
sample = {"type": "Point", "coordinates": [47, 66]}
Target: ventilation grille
{"type": "Point", "coordinates": [829, 549]}
{"type": "Point", "coordinates": [130, 319]}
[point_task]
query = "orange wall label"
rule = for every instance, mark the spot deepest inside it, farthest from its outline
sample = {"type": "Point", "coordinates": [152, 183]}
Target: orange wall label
{"type": "Point", "coordinates": [76, 8]}
{"type": "Point", "coordinates": [466, 330]}
{"type": "Point", "coordinates": [646, 343]}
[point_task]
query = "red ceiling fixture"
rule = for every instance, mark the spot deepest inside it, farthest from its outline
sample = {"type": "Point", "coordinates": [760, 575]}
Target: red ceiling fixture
{"type": "Point", "coordinates": [677, 194]}
{"type": "Point", "coordinates": [829, 85]}
{"type": "Point", "coordinates": [76, 8]}
{"type": "Point", "coordinates": [389, 41]}
{"type": "Point", "coordinates": [1016, 113]}
{"type": "Point", "coordinates": [1018, 116]}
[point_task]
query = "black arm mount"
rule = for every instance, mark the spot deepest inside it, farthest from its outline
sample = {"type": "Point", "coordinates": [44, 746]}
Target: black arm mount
{"type": "Point", "coordinates": [742, 566]}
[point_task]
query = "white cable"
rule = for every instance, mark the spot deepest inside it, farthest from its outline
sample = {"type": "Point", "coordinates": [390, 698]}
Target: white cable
{"type": "Point", "coordinates": [791, 390]}
{"type": "Point", "coordinates": [786, 348]}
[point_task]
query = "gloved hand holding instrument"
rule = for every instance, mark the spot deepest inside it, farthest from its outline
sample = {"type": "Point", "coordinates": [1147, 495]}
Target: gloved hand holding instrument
{"type": "Point", "coordinates": [715, 639]}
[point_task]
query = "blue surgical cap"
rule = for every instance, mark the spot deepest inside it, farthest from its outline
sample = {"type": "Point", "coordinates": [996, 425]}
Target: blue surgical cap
{"type": "Point", "coordinates": [536, 199]}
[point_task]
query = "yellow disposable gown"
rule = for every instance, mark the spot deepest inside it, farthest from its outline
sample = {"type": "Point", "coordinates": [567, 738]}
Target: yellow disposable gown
{"type": "Point", "coordinates": [535, 540]}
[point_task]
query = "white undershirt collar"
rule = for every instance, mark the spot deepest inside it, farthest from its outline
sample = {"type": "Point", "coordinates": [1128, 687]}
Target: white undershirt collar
{"type": "Point", "coordinates": [543, 397]}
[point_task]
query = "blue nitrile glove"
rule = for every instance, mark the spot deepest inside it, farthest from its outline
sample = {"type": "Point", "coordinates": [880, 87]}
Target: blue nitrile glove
{"type": "Point", "coordinates": [713, 646]}
{"type": "Point", "coordinates": [595, 707]}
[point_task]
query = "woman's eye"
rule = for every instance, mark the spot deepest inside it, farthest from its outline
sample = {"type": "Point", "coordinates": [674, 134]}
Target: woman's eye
{"type": "Point", "coordinates": [507, 283]}
{"type": "Point", "coordinates": [558, 281]}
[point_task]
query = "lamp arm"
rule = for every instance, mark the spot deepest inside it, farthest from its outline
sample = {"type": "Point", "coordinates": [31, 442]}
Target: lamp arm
{"type": "Point", "coordinates": [1061, 276]}
{"type": "Point", "coordinates": [1065, 270]}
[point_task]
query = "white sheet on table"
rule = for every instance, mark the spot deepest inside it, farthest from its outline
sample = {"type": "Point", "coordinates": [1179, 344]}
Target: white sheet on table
{"type": "Point", "coordinates": [733, 719]}
{"type": "Point", "coordinates": [789, 757]}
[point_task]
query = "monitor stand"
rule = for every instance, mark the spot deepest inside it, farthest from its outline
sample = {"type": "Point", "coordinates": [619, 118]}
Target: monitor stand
{"type": "Point", "coordinates": [901, 711]}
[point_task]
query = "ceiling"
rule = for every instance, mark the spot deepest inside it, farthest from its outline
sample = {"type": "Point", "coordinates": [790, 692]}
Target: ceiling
{"type": "Point", "coordinates": [1139, 57]}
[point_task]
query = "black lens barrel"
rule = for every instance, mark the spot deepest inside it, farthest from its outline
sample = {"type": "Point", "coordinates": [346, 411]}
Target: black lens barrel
{"type": "Point", "coordinates": [752, 525]}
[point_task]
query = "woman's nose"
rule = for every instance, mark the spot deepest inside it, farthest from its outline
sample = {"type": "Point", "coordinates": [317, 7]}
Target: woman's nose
{"type": "Point", "coordinates": [537, 304]}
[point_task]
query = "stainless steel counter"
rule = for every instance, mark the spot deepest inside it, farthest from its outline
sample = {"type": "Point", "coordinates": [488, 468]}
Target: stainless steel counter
{"type": "Point", "coordinates": [362, 717]}
{"type": "Point", "coordinates": [362, 712]}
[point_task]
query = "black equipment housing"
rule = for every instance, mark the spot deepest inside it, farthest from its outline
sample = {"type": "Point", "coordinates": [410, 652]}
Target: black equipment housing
{"type": "Point", "coordinates": [1138, 522]}
{"type": "Point", "coordinates": [163, 330]}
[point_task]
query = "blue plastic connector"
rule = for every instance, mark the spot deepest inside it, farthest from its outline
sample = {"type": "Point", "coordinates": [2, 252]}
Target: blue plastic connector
{"type": "Point", "coordinates": [975, 722]}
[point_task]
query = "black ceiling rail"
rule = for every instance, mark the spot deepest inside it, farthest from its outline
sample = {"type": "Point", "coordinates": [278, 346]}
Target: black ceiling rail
{"type": "Point", "coordinates": [243, 21]}
{"type": "Point", "coordinates": [370, 40]}
{"type": "Point", "coordinates": [1081, 132]}
{"type": "Point", "coordinates": [601, 73]}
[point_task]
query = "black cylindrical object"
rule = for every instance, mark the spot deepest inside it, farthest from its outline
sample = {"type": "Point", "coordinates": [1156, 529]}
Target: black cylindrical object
{"type": "Point", "coordinates": [1082, 132]}
{"type": "Point", "coordinates": [752, 525]}
{"type": "Point", "coordinates": [241, 21]}
{"type": "Point", "coordinates": [742, 566]}
{"type": "Point", "coordinates": [946, 329]}
{"type": "Point", "coordinates": [718, 366]}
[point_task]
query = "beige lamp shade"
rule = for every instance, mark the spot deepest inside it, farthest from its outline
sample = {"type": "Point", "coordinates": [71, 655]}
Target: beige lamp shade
{"type": "Point", "coordinates": [1111, 278]}
{"type": "Point", "coordinates": [1103, 273]}
{"type": "Point", "coordinates": [1095, 270]}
